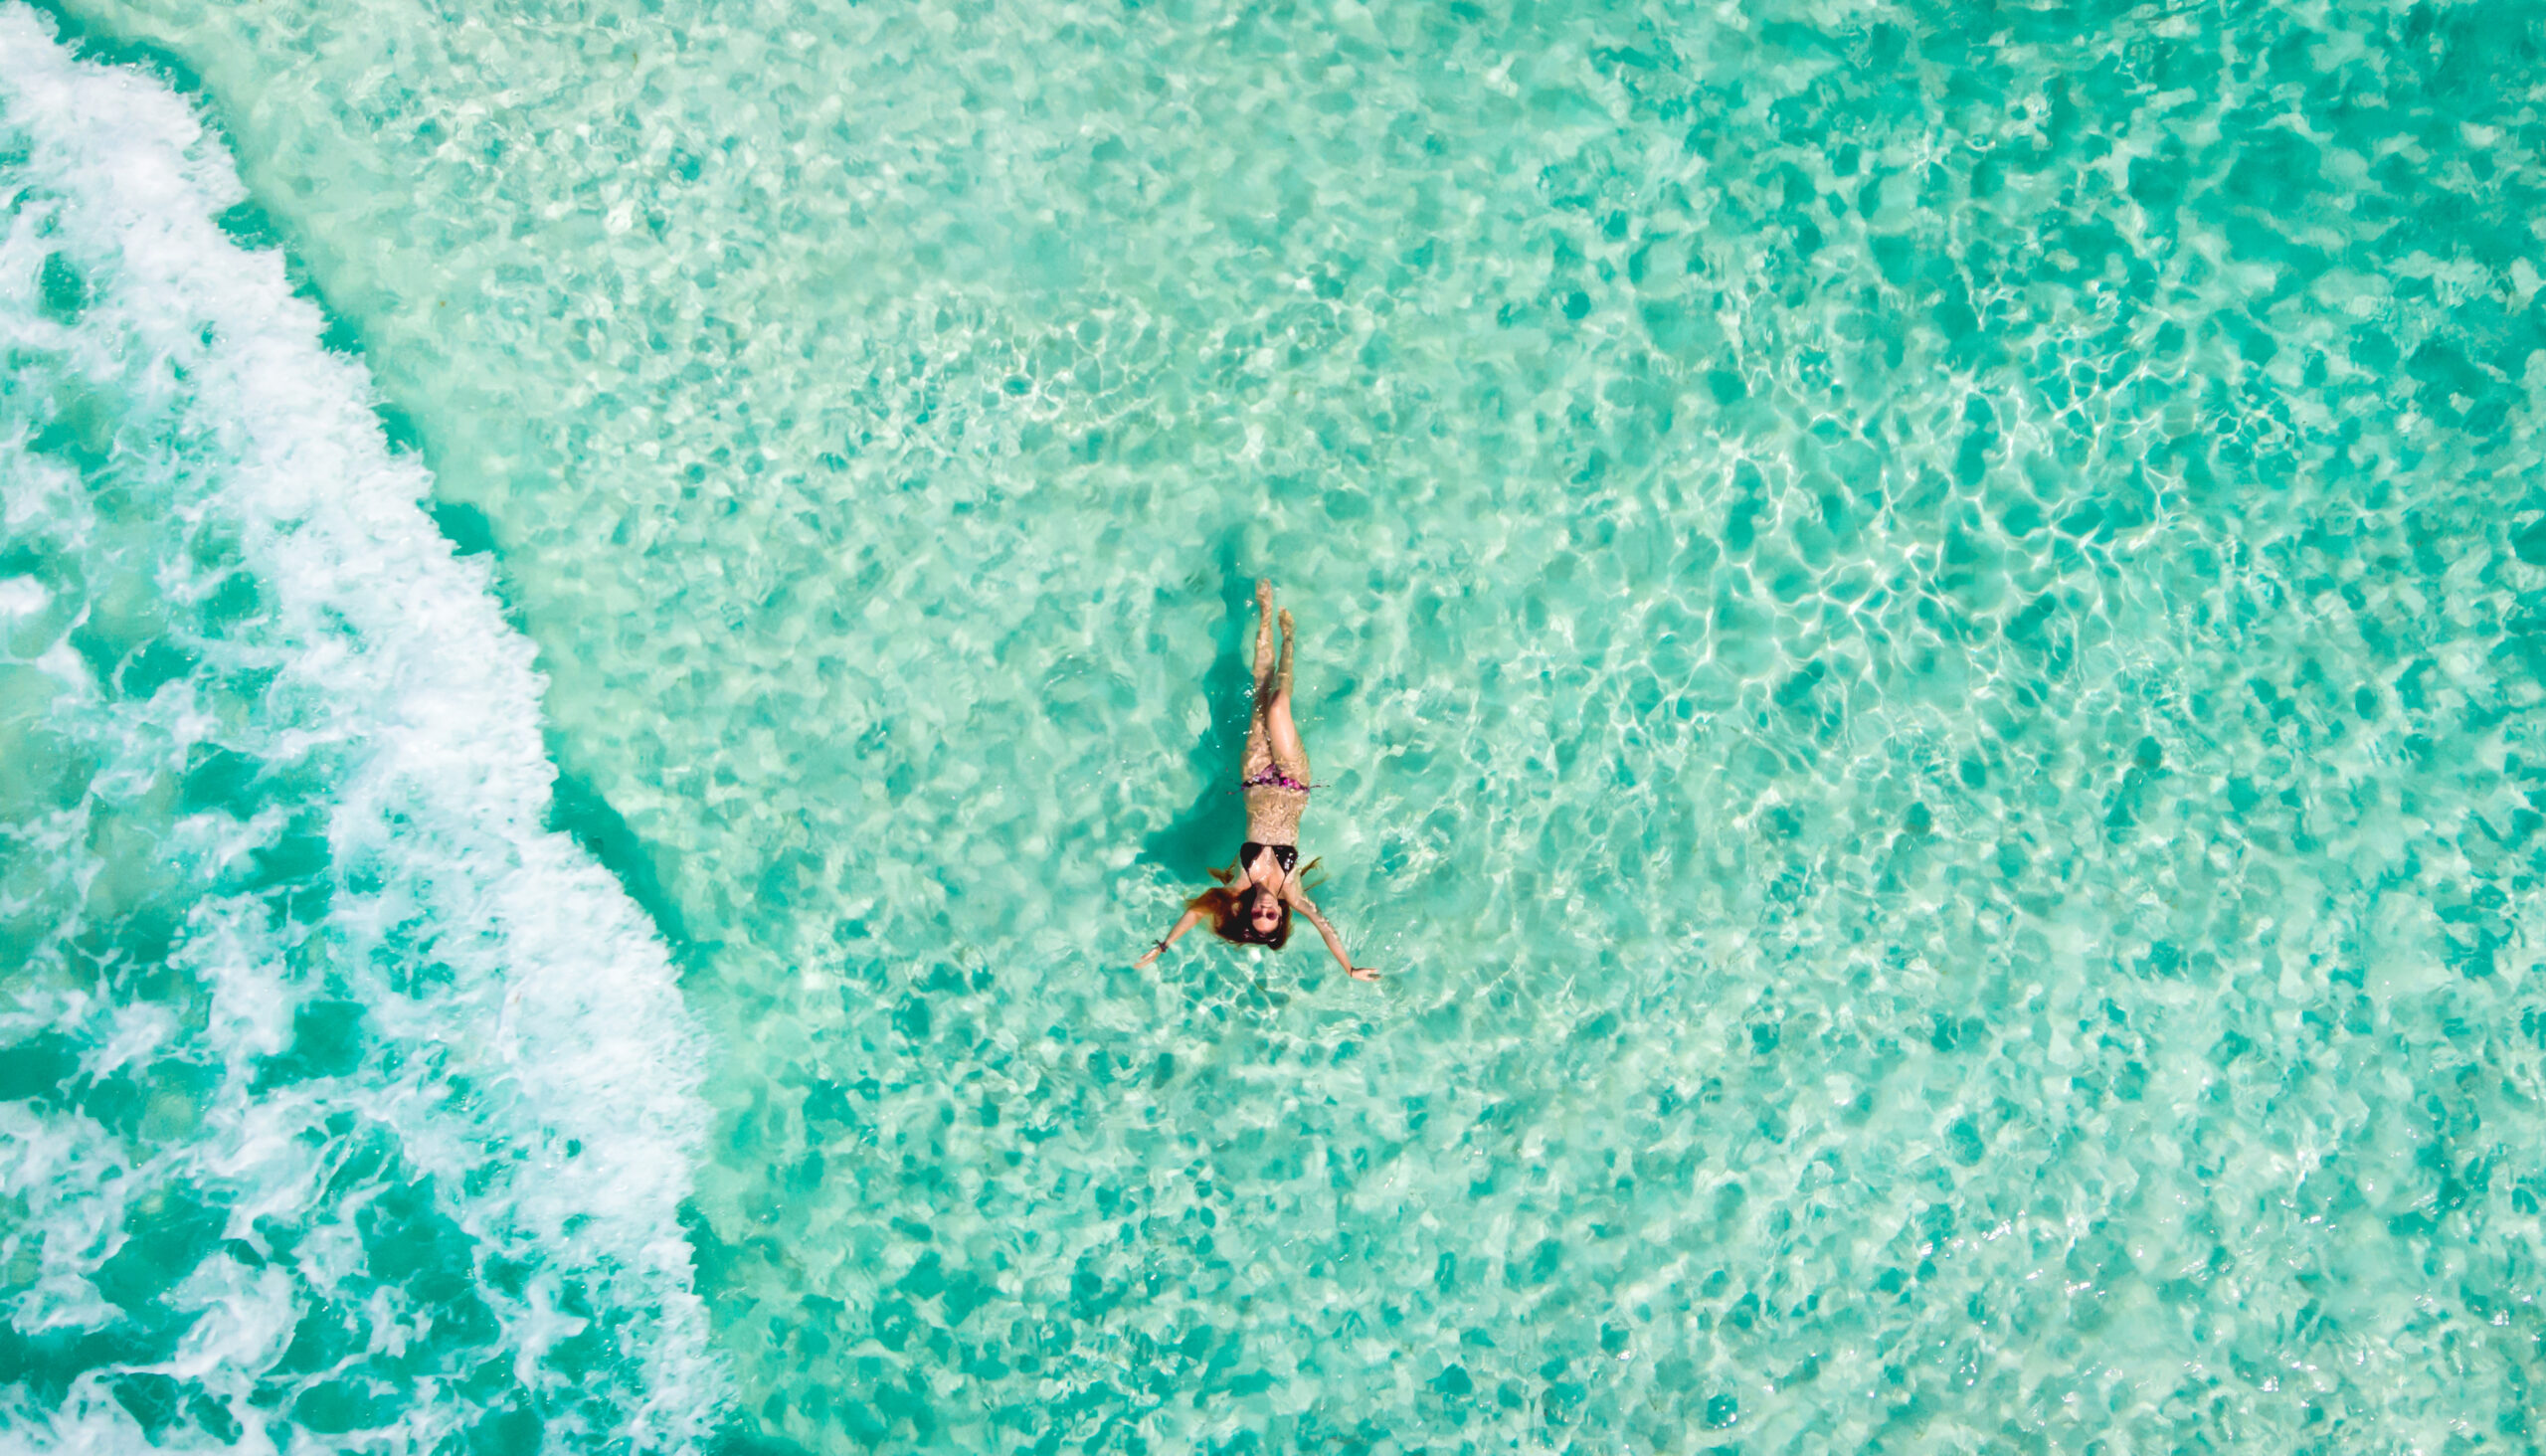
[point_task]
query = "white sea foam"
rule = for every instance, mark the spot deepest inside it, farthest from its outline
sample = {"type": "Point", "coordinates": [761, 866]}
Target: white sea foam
{"type": "Point", "coordinates": [401, 667]}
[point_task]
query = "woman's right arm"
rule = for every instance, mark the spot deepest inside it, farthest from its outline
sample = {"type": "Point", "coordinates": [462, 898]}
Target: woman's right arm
{"type": "Point", "coordinates": [1184, 923]}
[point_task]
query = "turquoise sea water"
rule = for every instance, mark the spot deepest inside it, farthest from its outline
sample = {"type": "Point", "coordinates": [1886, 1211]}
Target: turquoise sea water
{"type": "Point", "coordinates": [617, 621]}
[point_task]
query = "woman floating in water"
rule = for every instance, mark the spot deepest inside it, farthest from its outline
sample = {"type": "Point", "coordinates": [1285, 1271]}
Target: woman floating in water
{"type": "Point", "coordinates": [1254, 905]}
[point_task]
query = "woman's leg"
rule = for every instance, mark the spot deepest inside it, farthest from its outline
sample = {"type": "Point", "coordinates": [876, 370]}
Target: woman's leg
{"type": "Point", "coordinates": [1288, 754]}
{"type": "Point", "coordinates": [1259, 748]}
{"type": "Point", "coordinates": [1263, 641]}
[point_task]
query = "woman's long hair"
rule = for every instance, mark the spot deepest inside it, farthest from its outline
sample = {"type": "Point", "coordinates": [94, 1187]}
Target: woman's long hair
{"type": "Point", "coordinates": [1233, 912]}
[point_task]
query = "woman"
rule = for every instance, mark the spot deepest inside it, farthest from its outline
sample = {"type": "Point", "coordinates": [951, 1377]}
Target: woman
{"type": "Point", "coordinates": [1257, 895]}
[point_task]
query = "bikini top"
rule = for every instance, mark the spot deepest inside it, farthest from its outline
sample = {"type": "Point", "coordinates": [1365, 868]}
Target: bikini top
{"type": "Point", "coordinates": [1286, 855]}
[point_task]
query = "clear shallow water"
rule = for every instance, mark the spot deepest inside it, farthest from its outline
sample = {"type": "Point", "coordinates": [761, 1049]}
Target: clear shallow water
{"type": "Point", "coordinates": [1922, 618]}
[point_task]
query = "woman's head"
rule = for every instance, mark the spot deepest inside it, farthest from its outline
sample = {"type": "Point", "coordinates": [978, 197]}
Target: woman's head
{"type": "Point", "coordinates": [1249, 917]}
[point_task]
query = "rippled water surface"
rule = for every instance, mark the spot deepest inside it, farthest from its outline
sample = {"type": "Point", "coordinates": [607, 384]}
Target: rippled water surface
{"type": "Point", "coordinates": [1924, 620]}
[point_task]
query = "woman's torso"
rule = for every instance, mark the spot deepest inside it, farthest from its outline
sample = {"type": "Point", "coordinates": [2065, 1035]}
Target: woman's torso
{"type": "Point", "coordinates": [1273, 814]}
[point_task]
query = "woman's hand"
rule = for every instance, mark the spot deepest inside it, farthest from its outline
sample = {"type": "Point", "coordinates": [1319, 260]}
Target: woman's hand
{"type": "Point", "coordinates": [1363, 972]}
{"type": "Point", "coordinates": [1148, 959]}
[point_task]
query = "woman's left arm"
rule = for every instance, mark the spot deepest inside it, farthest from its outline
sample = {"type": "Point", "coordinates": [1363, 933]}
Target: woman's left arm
{"type": "Point", "coordinates": [1184, 923]}
{"type": "Point", "coordinates": [1334, 942]}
